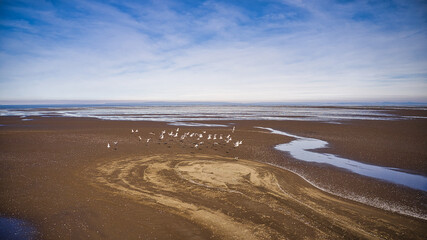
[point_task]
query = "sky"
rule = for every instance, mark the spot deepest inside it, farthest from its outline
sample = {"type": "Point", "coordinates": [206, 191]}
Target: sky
{"type": "Point", "coordinates": [223, 50]}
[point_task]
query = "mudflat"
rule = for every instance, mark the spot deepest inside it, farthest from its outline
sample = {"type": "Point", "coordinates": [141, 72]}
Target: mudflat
{"type": "Point", "coordinates": [58, 174]}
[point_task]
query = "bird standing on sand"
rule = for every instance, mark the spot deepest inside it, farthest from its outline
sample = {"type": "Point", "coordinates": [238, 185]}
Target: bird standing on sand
{"type": "Point", "coordinates": [108, 146]}
{"type": "Point", "coordinates": [133, 131]}
{"type": "Point", "coordinates": [140, 138]}
{"type": "Point", "coordinates": [233, 129]}
{"type": "Point", "coordinates": [148, 140]}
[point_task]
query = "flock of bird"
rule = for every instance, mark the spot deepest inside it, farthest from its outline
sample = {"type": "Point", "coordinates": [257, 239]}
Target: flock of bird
{"type": "Point", "coordinates": [200, 138]}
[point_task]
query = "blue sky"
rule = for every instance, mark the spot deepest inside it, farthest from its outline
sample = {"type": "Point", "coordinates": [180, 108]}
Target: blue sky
{"type": "Point", "coordinates": [243, 51]}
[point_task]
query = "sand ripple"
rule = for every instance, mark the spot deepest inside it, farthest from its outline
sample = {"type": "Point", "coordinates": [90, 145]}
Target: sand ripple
{"type": "Point", "coordinates": [237, 199]}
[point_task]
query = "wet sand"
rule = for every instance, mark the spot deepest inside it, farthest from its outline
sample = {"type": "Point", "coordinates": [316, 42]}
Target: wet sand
{"type": "Point", "coordinates": [58, 174]}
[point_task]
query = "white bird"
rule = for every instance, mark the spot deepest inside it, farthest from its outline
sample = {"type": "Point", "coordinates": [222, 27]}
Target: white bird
{"type": "Point", "coordinates": [108, 145]}
{"type": "Point", "coordinates": [209, 136]}
{"type": "Point", "coordinates": [152, 133]}
{"type": "Point", "coordinates": [177, 129]}
{"type": "Point", "coordinates": [140, 138]}
{"type": "Point", "coordinates": [220, 136]}
{"type": "Point", "coordinates": [136, 130]}
{"type": "Point", "coordinates": [214, 137]}
{"type": "Point", "coordinates": [115, 143]}
{"type": "Point", "coordinates": [176, 135]}
{"type": "Point", "coordinates": [233, 129]}
{"type": "Point", "coordinates": [182, 137]}
{"type": "Point", "coordinates": [228, 136]}
{"type": "Point", "coordinates": [197, 145]}
{"type": "Point", "coordinates": [161, 137]}
{"type": "Point", "coordinates": [191, 135]}
{"type": "Point", "coordinates": [204, 131]}
{"type": "Point", "coordinates": [200, 135]}
{"type": "Point", "coordinates": [148, 140]}
{"type": "Point", "coordinates": [236, 144]}
{"type": "Point", "coordinates": [133, 131]}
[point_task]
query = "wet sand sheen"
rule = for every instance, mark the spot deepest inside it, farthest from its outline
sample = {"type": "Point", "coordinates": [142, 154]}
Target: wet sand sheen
{"type": "Point", "coordinates": [237, 199]}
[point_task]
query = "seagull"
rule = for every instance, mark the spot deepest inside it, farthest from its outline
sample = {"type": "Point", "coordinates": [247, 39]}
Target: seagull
{"type": "Point", "coordinates": [233, 129]}
{"type": "Point", "coordinates": [177, 129]}
{"type": "Point", "coordinates": [148, 140]}
{"type": "Point", "coordinates": [214, 137]}
{"type": "Point", "coordinates": [136, 130]}
{"type": "Point", "coordinates": [108, 145]}
{"type": "Point", "coordinates": [161, 137]}
{"type": "Point", "coordinates": [133, 131]}
{"type": "Point", "coordinates": [197, 145]}
{"type": "Point", "coordinates": [152, 133]}
{"type": "Point", "coordinates": [176, 135]}
{"type": "Point", "coordinates": [220, 136]}
{"type": "Point", "coordinates": [236, 144]}
{"type": "Point", "coordinates": [140, 138]}
{"type": "Point", "coordinates": [209, 136]}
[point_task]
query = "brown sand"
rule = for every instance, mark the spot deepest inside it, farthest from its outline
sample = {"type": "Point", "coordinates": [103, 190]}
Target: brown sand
{"type": "Point", "coordinates": [58, 174]}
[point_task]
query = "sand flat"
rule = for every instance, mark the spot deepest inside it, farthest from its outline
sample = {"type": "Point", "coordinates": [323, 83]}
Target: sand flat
{"type": "Point", "coordinates": [58, 174]}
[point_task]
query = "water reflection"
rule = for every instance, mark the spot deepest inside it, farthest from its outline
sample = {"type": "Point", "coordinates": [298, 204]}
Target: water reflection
{"type": "Point", "coordinates": [16, 229]}
{"type": "Point", "coordinates": [298, 149]}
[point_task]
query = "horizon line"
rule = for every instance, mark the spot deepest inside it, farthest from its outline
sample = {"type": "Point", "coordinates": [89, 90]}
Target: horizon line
{"type": "Point", "coordinates": [175, 103]}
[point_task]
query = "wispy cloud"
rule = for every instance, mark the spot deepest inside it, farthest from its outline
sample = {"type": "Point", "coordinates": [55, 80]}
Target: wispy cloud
{"type": "Point", "coordinates": [214, 50]}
